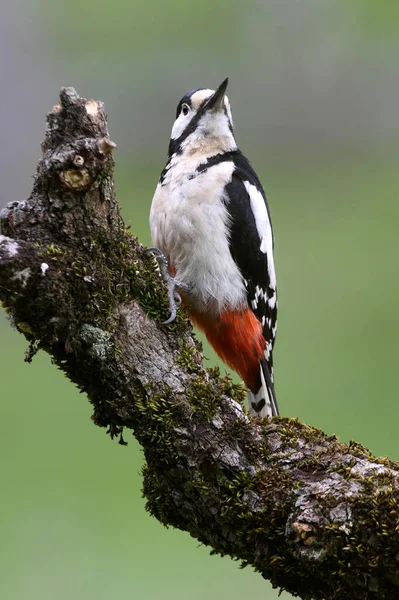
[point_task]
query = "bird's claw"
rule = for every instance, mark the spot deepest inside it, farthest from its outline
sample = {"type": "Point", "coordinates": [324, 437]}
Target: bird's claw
{"type": "Point", "coordinates": [161, 260]}
{"type": "Point", "coordinates": [174, 297]}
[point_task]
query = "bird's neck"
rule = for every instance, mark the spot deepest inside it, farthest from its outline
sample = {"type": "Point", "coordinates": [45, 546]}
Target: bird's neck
{"type": "Point", "coordinates": [204, 146]}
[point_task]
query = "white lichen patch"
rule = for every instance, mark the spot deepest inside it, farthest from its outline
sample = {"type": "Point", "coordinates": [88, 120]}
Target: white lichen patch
{"type": "Point", "coordinates": [253, 501]}
{"type": "Point", "coordinates": [11, 247]}
{"type": "Point", "coordinates": [236, 406]}
{"type": "Point", "coordinates": [98, 341]}
{"type": "Point", "coordinates": [341, 514]}
{"type": "Point", "coordinates": [315, 555]}
{"type": "Point", "coordinates": [367, 469]}
{"type": "Point", "coordinates": [229, 457]}
{"type": "Point", "coordinates": [44, 268]}
{"type": "Point", "coordinates": [22, 276]}
{"type": "Point", "coordinates": [217, 422]}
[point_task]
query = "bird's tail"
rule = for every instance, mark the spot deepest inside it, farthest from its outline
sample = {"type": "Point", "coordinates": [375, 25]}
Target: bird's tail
{"type": "Point", "coordinates": [263, 403]}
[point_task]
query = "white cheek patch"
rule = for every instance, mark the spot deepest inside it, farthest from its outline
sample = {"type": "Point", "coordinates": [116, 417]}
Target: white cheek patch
{"type": "Point", "coordinates": [263, 227]}
{"type": "Point", "coordinates": [180, 124]}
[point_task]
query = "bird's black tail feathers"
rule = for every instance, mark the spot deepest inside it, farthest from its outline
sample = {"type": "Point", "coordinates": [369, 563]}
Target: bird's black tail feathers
{"type": "Point", "coordinates": [263, 402]}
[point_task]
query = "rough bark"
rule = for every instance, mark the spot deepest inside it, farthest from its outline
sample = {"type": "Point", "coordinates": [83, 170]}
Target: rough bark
{"type": "Point", "coordinates": [316, 517]}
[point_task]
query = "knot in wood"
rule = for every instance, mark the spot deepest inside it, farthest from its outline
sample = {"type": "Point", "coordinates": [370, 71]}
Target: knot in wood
{"type": "Point", "coordinates": [76, 179]}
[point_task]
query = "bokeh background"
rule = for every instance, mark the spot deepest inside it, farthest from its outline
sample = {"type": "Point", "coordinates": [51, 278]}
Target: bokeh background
{"type": "Point", "coordinates": [314, 87]}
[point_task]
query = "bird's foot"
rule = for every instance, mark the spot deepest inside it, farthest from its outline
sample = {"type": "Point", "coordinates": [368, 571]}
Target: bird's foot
{"type": "Point", "coordinates": [173, 286]}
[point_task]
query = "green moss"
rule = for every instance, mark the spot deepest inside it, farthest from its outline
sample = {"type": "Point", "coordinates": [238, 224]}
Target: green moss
{"type": "Point", "coordinates": [199, 485]}
{"type": "Point", "coordinates": [253, 513]}
{"type": "Point", "coordinates": [227, 387]}
{"type": "Point", "coordinates": [205, 391]}
{"type": "Point", "coordinates": [153, 492]}
{"type": "Point", "coordinates": [158, 414]}
{"type": "Point", "coordinates": [370, 542]}
{"type": "Point", "coordinates": [359, 450]}
{"type": "Point", "coordinates": [24, 328]}
{"type": "Point", "coordinates": [200, 394]}
{"type": "Point", "coordinates": [243, 503]}
{"type": "Point", "coordinates": [188, 358]}
{"type": "Point", "coordinates": [345, 469]}
{"type": "Point", "coordinates": [158, 502]}
{"type": "Point", "coordinates": [52, 250]}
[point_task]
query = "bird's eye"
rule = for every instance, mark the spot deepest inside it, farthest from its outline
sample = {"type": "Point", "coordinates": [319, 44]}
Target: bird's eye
{"type": "Point", "coordinates": [185, 109]}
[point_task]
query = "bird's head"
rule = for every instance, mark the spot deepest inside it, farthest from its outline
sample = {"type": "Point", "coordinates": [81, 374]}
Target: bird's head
{"type": "Point", "coordinates": [203, 123]}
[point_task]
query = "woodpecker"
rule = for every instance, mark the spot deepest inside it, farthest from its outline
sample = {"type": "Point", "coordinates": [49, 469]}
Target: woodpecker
{"type": "Point", "coordinates": [210, 220]}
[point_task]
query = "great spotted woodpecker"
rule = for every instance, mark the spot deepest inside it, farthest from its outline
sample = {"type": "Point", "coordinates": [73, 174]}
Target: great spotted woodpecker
{"type": "Point", "coordinates": [210, 219]}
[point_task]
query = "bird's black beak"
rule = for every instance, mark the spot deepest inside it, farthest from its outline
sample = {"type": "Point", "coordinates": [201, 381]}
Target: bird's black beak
{"type": "Point", "coordinates": [217, 99]}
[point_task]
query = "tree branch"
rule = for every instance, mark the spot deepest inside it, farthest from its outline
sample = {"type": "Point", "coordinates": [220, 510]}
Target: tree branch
{"type": "Point", "coordinates": [316, 517]}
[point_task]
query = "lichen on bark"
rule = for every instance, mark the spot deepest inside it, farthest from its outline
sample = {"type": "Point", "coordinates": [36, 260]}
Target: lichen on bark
{"type": "Point", "coordinates": [316, 517]}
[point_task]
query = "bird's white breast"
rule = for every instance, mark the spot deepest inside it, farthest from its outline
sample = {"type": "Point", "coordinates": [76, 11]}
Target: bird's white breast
{"type": "Point", "coordinates": [189, 223]}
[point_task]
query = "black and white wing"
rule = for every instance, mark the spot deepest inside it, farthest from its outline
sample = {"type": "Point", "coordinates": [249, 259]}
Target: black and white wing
{"type": "Point", "coordinates": [251, 245]}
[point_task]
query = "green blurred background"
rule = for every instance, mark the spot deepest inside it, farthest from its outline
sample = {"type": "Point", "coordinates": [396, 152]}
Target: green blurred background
{"type": "Point", "coordinates": [314, 89]}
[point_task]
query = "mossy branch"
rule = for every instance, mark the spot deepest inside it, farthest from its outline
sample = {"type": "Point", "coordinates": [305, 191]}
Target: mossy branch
{"type": "Point", "coordinates": [316, 517]}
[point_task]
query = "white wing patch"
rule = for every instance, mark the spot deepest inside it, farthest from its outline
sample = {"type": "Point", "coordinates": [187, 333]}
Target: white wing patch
{"type": "Point", "coordinates": [264, 228]}
{"type": "Point", "coordinates": [272, 301]}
